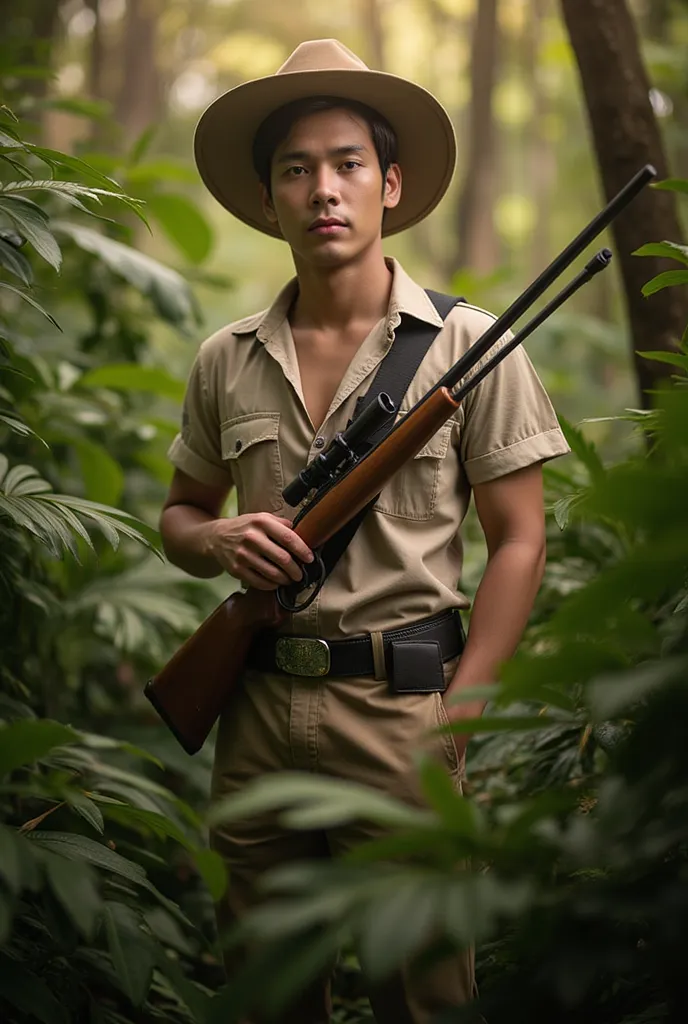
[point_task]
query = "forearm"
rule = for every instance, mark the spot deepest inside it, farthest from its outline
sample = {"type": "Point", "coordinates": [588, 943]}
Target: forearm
{"type": "Point", "coordinates": [500, 613]}
{"type": "Point", "coordinates": [186, 533]}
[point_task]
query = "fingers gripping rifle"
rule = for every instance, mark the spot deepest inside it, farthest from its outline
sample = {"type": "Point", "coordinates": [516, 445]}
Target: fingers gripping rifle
{"type": "Point", "coordinates": [194, 687]}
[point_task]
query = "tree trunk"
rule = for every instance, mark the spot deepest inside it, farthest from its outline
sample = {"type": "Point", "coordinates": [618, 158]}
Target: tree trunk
{"type": "Point", "coordinates": [626, 136]}
{"type": "Point", "coordinates": [139, 101]}
{"type": "Point", "coordinates": [477, 239]}
{"type": "Point", "coordinates": [541, 155]}
{"type": "Point", "coordinates": [30, 30]}
{"type": "Point", "coordinates": [372, 28]}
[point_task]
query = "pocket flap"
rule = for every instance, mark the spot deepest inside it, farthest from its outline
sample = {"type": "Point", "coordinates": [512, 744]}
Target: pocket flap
{"type": "Point", "coordinates": [242, 433]}
{"type": "Point", "coordinates": [437, 446]}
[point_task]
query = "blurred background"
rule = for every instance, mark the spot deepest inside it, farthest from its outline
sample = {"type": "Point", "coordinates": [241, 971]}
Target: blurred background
{"type": "Point", "coordinates": [526, 178]}
{"type": "Point", "coordinates": [106, 882]}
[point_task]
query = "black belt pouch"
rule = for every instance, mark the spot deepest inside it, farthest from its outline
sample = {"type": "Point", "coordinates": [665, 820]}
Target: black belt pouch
{"type": "Point", "coordinates": [416, 667]}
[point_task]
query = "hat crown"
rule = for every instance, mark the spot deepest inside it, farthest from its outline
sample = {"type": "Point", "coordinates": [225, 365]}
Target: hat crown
{"type": "Point", "coordinates": [322, 55]}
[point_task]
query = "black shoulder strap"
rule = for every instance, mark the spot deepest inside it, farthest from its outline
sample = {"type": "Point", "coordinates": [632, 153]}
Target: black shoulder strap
{"type": "Point", "coordinates": [412, 340]}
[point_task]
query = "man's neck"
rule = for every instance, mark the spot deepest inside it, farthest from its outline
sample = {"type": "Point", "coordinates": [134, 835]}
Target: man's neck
{"type": "Point", "coordinates": [332, 299]}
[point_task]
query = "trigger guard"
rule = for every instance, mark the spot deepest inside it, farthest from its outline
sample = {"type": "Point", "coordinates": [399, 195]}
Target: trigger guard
{"type": "Point", "coordinates": [314, 574]}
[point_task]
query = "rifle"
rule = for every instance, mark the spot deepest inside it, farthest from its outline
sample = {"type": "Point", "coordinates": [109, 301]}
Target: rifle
{"type": "Point", "coordinates": [193, 688]}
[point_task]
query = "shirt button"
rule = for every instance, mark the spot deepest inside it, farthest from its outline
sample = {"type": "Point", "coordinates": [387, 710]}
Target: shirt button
{"type": "Point", "coordinates": [238, 446]}
{"type": "Point", "coordinates": [319, 442]}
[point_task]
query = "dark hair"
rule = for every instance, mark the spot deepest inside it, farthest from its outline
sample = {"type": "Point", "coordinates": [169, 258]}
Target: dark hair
{"type": "Point", "coordinates": [276, 127]}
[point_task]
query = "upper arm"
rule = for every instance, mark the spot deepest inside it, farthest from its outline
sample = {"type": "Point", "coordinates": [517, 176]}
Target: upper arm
{"type": "Point", "coordinates": [511, 507]}
{"type": "Point", "coordinates": [185, 490]}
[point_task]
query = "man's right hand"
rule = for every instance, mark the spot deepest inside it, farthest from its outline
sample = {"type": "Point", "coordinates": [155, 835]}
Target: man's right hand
{"type": "Point", "coordinates": [259, 549]}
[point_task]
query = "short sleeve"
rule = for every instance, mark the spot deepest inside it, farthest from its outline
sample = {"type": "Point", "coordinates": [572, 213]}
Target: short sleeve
{"type": "Point", "coordinates": [508, 421]}
{"type": "Point", "coordinates": [196, 449]}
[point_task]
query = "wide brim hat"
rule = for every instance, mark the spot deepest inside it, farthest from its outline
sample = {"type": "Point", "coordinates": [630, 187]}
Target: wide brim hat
{"type": "Point", "coordinates": [325, 67]}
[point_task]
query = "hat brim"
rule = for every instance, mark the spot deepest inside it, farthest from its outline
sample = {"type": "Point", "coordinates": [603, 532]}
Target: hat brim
{"type": "Point", "coordinates": [427, 145]}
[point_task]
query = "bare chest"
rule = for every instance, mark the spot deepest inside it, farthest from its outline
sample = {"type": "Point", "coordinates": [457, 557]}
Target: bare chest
{"type": "Point", "coordinates": [323, 362]}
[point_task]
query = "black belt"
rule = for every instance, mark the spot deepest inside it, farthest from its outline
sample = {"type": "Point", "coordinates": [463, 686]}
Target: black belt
{"type": "Point", "coordinates": [313, 656]}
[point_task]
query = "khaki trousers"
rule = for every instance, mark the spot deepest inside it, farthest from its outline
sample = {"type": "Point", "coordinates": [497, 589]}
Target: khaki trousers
{"type": "Point", "coordinates": [353, 729]}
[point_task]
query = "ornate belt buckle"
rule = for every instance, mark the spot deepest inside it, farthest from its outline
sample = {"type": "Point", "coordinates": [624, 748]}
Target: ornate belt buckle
{"type": "Point", "coordinates": [302, 656]}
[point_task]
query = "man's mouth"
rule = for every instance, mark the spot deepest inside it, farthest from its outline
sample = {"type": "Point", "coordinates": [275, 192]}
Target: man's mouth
{"type": "Point", "coordinates": [327, 226]}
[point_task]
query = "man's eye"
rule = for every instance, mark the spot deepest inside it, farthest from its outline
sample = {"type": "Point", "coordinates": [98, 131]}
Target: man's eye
{"type": "Point", "coordinates": [351, 165]}
{"type": "Point", "coordinates": [296, 172]}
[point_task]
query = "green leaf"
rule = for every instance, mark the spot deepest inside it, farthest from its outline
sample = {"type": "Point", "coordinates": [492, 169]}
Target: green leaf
{"type": "Point", "coordinates": [401, 919]}
{"type": "Point", "coordinates": [28, 993]}
{"type": "Point", "coordinates": [672, 250]}
{"type": "Point", "coordinates": [167, 290]}
{"type": "Point", "coordinates": [668, 279]}
{"type": "Point", "coordinates": [16, 262]}
{"type": "Point", "coordinates": [103, 477]}
{"type": "Point", "coordinates": [54, 157]}
{"type": "Point", "coordinates": [672, 185]}
{"type": "Point", "coordinates": [584, 449]}
{"type": "Point", "coordinates": [611, 695]}
{"type": "Point", "coordinates": [32, 222]}
{"type": "Point", "coordinates": [31, 301]}
{"type": "Point", "coordinates": [18, 426]}
{"type": "Point", "coordinates": [441, 794]}
{"type": "Point", "coordinates": [84, 850]}
{"type": "Point", "coordinates": [673, 358]}
{"type": "Point", "coordinates": [87, 809]}
{"type": "Point", "coordinates": [133, 953]}
{"type": "Point", "coordinates": [161, 169]}
{"type": "Point", "coordinates": [184, 224]}
{"type": "Point", "coordinates": [134, 377]}
{"type": "Point", "coordinates": [25, 741]}
{"type": "Point", "coordinates": [74, 886]}
{"type": "Point", "coordinates": [315, 802]}
{"type": "Point", "coordinates": [211, 868]}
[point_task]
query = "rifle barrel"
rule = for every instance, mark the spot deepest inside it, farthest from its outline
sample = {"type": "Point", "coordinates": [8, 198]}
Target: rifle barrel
{"type": "Point", "coordinates": [599, 262]}
{"type": "Point", "coordinates": [533, 292]}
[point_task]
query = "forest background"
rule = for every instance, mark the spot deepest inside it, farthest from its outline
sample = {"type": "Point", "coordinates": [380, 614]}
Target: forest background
{"type": "Point", "coordinates": [106, 884]}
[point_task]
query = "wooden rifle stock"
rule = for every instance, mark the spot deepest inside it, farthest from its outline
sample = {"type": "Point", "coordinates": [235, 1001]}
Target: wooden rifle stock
{"type": "Point", "coordinates": [196, 684]}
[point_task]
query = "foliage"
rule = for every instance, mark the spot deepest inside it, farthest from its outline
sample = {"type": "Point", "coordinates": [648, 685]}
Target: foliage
{"type": "Point", "coordinates": [105, 879]}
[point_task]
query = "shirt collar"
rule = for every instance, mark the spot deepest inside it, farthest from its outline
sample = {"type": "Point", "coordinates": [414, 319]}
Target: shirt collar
{"type": "Point", "coordinates": [406, 299]}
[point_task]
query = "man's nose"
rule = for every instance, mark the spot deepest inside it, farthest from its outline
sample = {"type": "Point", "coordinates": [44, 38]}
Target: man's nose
{"type": "Point", "coordinates": [324, 189]}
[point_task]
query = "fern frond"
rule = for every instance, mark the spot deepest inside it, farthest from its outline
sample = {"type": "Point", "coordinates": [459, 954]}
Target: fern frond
{"type": "Point", "coordinates": [28, 501]}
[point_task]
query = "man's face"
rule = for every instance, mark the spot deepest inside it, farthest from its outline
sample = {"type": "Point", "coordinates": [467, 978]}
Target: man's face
{"type": "Point", "coordinates": [328, 195]}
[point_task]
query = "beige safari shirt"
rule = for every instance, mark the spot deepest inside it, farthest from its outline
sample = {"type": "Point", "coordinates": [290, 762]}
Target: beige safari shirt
{"type": "Point", "coordinates": [245, 424]}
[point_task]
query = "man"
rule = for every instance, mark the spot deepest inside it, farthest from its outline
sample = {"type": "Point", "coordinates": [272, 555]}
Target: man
{"type": "Point", "coordinates": [330, 157]}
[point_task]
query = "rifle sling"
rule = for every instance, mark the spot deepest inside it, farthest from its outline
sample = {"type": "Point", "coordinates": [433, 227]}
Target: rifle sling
{"type": "Point", "coordinates": [412, 340]}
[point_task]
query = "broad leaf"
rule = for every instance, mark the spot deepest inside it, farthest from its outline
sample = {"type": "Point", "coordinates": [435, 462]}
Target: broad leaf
{"type": "Point", "coordinates": [33, 223]}
{"type": "Point", "coordinates": [167, 289]}
{"type": "Point", "coordinates": [16, 262]}
{"type": "Point", "coordinates": [669, 279]}
{"type": "Point", "coordinates": [74, 885]}
{"type": "Point", "coordinates": [31, 301]}
{"type": "Point", "coordinates": [134, 377]}
{"type": "Point", "coordinates": [184, 224]}
{"type": "Point", "coordinates": [672, 358]}
{"type": "Point", "coordinates": [672, 250]}
{"type": "Point", "coordinates": [87, 809]}
{"type": "Point", "coordinates": [314, 802]}
{"type": "Point", "coordinates": [24, 742]}
{"type": "Point", "coordinates": [673, 185]}
{"type": "Point", "coordinates": [81, 849]}
{"type": "Point", "coordinates": [134, 954]}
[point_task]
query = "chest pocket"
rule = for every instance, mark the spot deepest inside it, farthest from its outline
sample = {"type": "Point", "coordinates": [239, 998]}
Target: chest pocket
{"type": "Point", "coordinates": [412, 491]}
{"type": "Point", "coordinates": [251, 447]}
